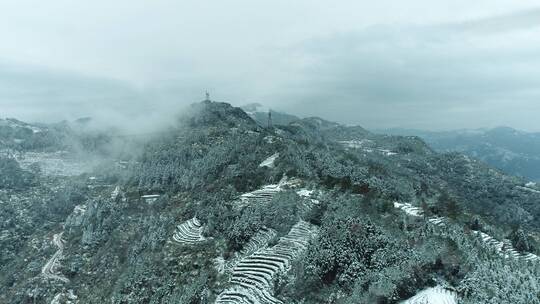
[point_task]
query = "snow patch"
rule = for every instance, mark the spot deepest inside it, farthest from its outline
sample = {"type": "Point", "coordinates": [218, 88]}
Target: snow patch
{"type": "Point", "coordinates": [150, 198]}
{"type": "Point", "coordinates": [189, 232]}
{"type": "Point", "coordinates": [253, 276]}
{"type": "Point", "coordinates": [387, 152]}
{"type": "Point", "coordinates": [219, 264]}
{"type": "Point", "coordinates": [115, 193]}
{"type": "Point", "coordinates": [418, 212]}
{"type": "Point", "coordinates": [355, 144]}
{"type": "Point", "coordinates": [49, 270]}
{"type": "Point", "coordinates": [269, 162]}
{"type": "Point", "coordinates": [505, 248]}
{"type": "Point", "coordinates": [266, 193]}
{"type": "Point", "coordinates": [528, 189]}
{"type": "Point", "coordinates": [68, 297]}
{"type": "Point", "coordinates": [54, 164]}
{"type": "Point", "coordinates": [434, 295]}
{"type": "Point", "coordinates": [270, 139]}
{"type": "Point", "coordinates": [304, 192]}
{"type": "Point", "coordinates": [409, 209]}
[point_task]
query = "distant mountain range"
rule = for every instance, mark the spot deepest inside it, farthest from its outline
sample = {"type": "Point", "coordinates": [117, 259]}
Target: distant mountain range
{"type": "Point", "coordinates": [259, 113]}
{"type": "Point", "coordinates": [512, 151]}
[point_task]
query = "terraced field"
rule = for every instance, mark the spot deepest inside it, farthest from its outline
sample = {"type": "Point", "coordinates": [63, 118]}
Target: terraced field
{"type": "Point", "coordinates": [418, 212]}
{"type": "Point", "coordinates": [269, 162]}
{"type": "Point", "coordinates": [434, 295]}
{"type": "Point", "coordinates": [65, 297]}
{"type": "Point", "coordinates": [189, 232]}
{"type": "Point", "coordinates": [504, 247]}
{"type": "Point", "coordinates": [253, 277]}
{"type": "Point", "coordinates": [266, 193]}
{"type": "Point", "coordinates": [259, 241]}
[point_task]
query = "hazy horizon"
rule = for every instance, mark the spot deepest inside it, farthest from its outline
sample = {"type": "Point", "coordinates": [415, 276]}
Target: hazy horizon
{"type": "Point", "coordinates": [420, 65]}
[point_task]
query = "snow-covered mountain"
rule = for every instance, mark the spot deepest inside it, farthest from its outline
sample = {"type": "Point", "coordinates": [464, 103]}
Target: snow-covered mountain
{"type": "Point", "coordinates": [223, 209]}
{"type": "Point", "coordinates": [260, 114]}
{"type": "Point", "coordinates": [512, 151]}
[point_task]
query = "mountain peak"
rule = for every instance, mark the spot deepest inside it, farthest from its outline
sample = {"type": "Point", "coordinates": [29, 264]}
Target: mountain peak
{"type": "Point", "coordinates": [217, 114]}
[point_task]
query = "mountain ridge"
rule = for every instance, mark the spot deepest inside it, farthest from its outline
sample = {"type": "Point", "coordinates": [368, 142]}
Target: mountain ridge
{"type": "Point", "coordinates": [513, 151]}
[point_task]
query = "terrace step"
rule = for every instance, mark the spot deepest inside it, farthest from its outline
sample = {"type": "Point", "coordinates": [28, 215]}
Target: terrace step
{"type": "Point", "coordinates": [254, 275]}
{"type": "Point", "coordinates": [189, 232]}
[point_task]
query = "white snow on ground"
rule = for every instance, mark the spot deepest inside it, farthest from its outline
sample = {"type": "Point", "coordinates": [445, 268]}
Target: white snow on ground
{"type": "Point", "coordinates": [150, 198]}
{"type": "Point", "coordinates": [65, 298]}
{"type": "Point", "coordinates": [434, 295]}
{"type": "Point", "coordinates": [254, 269]}
{"type": "Point", "coordinates": [266, 193]}
{"type": "Point", "coordinates": [387, 152]}
{"type": "Point", "coordinates": [528, 189]}
{"type": "Point", "coordinates": [530, 184]}
{"type": "Point", "coordinates": [4, 235]}
{"type": "Point", "coordinates": [49, 269]}
{"type": "Point", "coordinates": [257, 242]}
{"type": "Point", "coordinates": [80, 208]}
{"type": "Point", "coordinates": [409, 209]}
{"type": "Point", "coordinates": [263, 195]}
{"type": "Point", "coordinates": [189, 232]}
{"type": "Point", "coordinates": [366, 146]}
{"type": "Point", "coordinates": [115, 193]}
{"type": "Point", "coordinates": [219, 264]}
{"type": "Point", "coordinates": [355, 144]}
{"type": "Point", "coordinates": [304, 192]}
{"type": "Point", "coordinates": [55, 164]}
{"type": "Point", "coordinates": [309, 201]}
{"type": "Point", "coordinates": [253, 276]}
{"type": "Point", "coordinates": [269, 162]}
{"type": "Point", "coordinates": [270, 139]}
{"type": "Point", "coordinates": [19, 124]}
{"type": "Point", "coordinates": [504, 248]}
{"type": "Point", "coordinates": [418, 212]}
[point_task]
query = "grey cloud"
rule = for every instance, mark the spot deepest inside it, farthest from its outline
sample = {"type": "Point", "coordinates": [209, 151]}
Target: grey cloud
{"type": "Point", "coordinates": [44, 95]}
{"type": "Point", "coordinates": [421, 76]}
{"type": "Point", "coordinates": [377, 64]}
{"type": "Point", "coordinates": [525, 19]}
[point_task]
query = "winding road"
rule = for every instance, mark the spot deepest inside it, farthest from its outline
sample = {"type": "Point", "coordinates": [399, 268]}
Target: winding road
{"type": "Point", "coordinates": [49, 269]}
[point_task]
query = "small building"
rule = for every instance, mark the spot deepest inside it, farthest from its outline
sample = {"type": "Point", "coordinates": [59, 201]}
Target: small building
{"type": "Point", "coordinates": [150, 198]}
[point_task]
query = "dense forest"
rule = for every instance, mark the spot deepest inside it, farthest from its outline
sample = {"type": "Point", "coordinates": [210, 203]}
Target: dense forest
{"type": "Point", "coordinates": [225, 209]}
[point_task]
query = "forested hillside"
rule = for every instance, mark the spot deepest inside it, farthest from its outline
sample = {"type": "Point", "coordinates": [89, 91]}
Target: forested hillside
{"type": "Point", "coordinates": [225, 209]}
{"type": "Point", "coordinates": [512, 151]}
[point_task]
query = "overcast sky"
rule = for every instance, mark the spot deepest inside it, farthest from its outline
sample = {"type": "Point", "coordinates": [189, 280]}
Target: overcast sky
{"type": "Point", "coordinates": [444, 64]}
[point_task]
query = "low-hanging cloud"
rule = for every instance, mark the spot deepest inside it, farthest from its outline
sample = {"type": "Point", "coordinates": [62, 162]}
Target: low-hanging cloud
{"type": "Point", "coordinates": [417, 64]}
{"type": "Point", "coordinates": [43, 95]}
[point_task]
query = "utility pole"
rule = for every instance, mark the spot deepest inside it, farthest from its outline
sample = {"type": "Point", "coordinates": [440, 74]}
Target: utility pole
{"type": "Point", "coordinates": [270, 119]}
